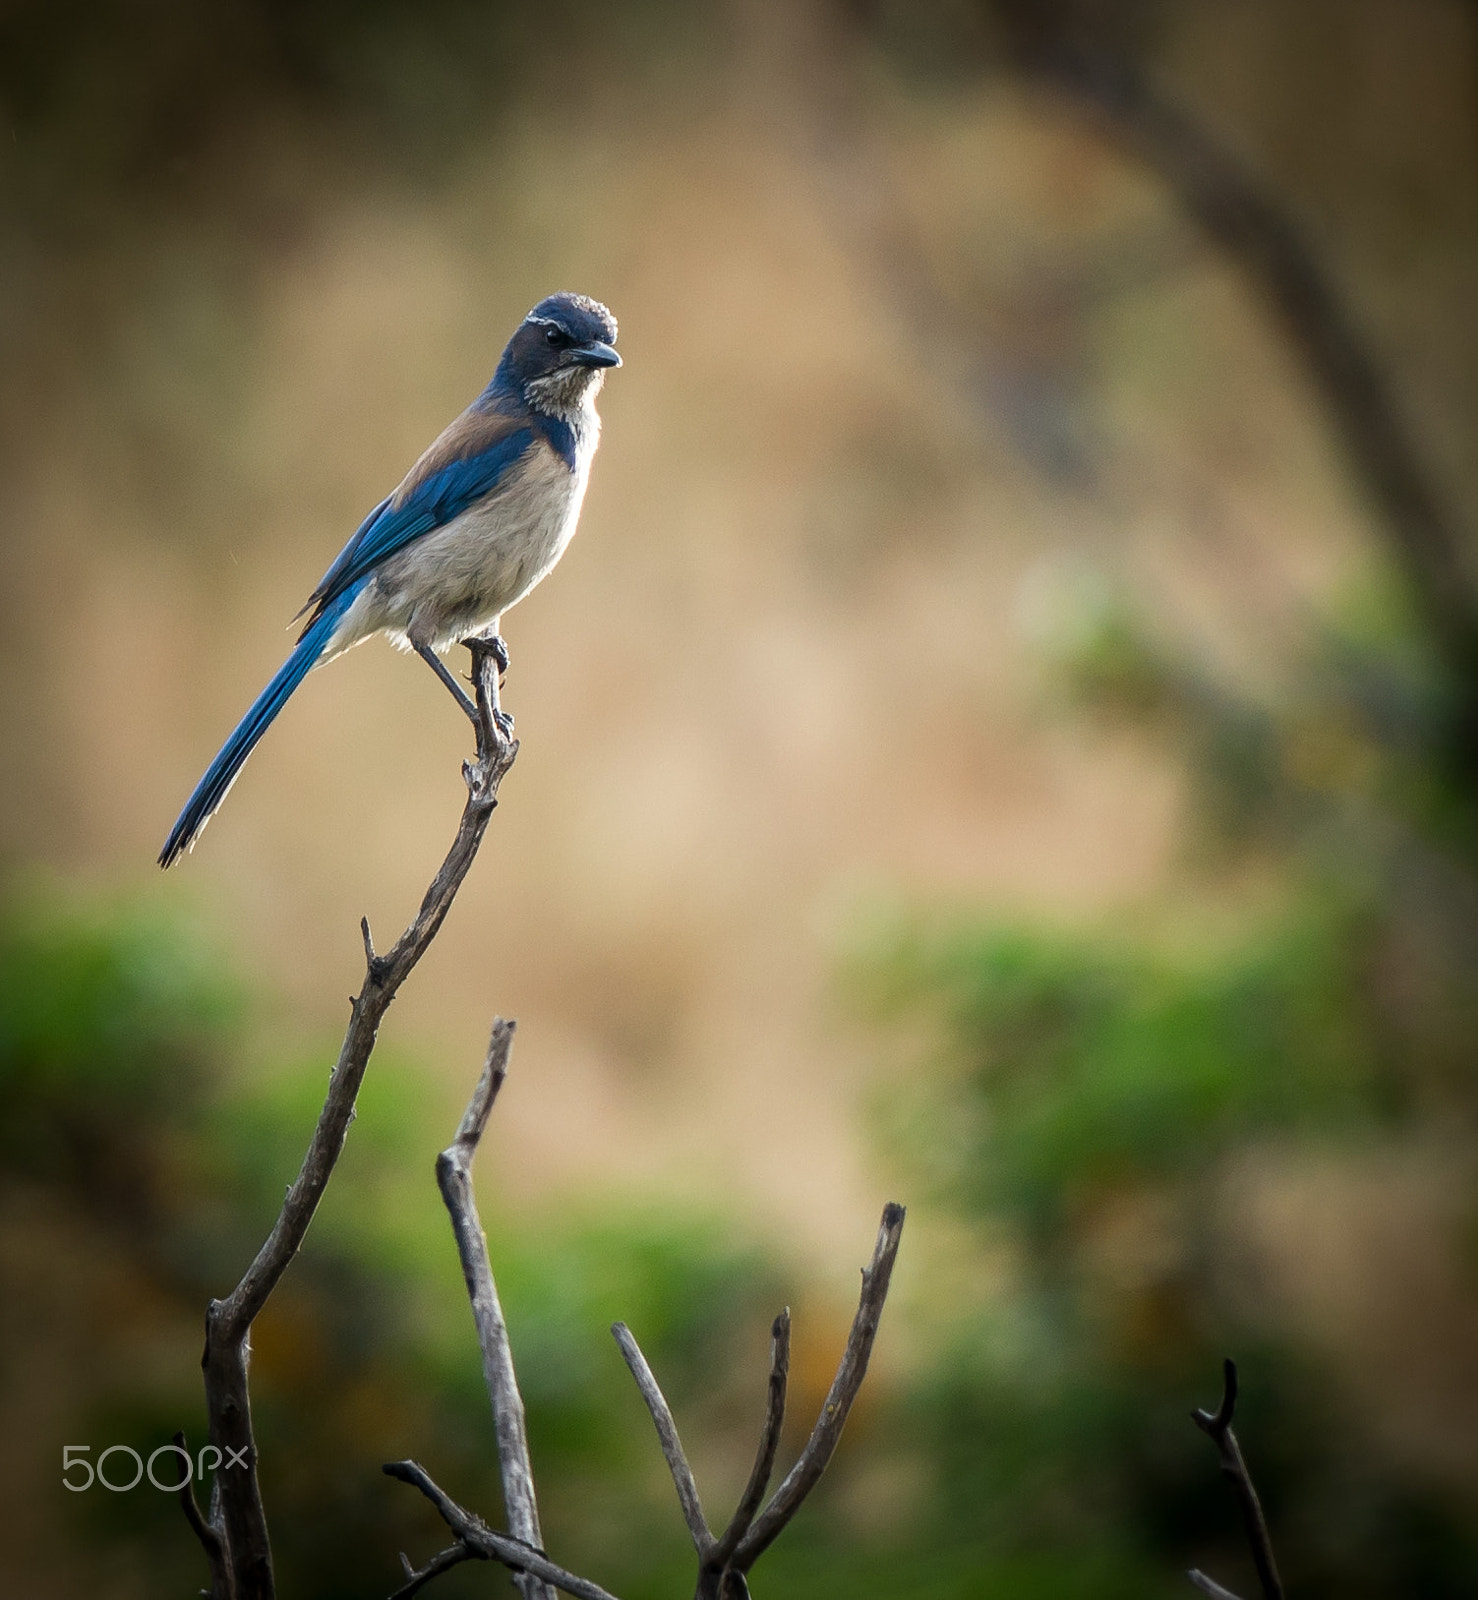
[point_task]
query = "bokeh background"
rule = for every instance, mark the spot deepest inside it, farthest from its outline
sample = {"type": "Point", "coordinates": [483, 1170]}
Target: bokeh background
{"type": "Point", "coordinates": [1003, 740]}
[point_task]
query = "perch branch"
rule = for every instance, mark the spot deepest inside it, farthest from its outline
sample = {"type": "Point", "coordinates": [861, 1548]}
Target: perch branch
{"type": "Point", "coordinates": [454, 1178]}
{"type": "Point", "coordinates": [672, 1445]}
{"type": "Point", "coordinates": [481, 1543]}
{"type": "Point", "coordinates": [1217, 1426]}
{"type": "Point", "coordinates": [804, 1475]}
{"type": "Point", "coordinates": [242, 1523]}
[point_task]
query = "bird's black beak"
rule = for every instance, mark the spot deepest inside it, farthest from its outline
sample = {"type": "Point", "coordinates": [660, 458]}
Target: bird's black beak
{"type": "Point", "coordinates": [595, 354]}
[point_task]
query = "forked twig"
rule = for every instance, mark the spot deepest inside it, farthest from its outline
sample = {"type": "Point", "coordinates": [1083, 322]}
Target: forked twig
{"type": "Point", "coordinates": [723, 1563]}
{"type": "Point", "coordinates": [805, 1474]}
{"type": "Point", "coordinates": [480, 1543]}
{"type": "Point", "coordinates": [1217, 1426]}
{"type": "Point", "coordinates": [443, 1561]}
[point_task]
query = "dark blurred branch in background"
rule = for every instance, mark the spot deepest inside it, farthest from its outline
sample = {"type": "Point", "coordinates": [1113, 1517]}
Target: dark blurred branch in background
{"type": "Point", "coordinates": [1065, 45]}
{"type": "Point", "coordinates": [235, 1537]}
{"type": "Point", "coordinates": [723, 1561]}
{"type": "Point", "coordinates": [1218, 1427]}
{"type": "Point", "coordinates": [1090, 54]}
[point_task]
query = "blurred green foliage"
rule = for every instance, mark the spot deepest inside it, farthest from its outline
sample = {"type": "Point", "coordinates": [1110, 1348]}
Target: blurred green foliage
{"type": "Point", "coordinates": [105, 1023]}
{"type": "Point", "coordinates": [132, 1110]}
{"type": "Point", "coordinates": [1082, 1099]}
{"type": "Point", "coordinates": [1092, 1062]}
{"type": "Point", "coordinates": [1076, 1101]}
{"type": "Point", "coordinates": [1083, 1096]}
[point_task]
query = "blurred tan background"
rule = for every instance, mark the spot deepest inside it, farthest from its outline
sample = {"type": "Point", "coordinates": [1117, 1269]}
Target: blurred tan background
{"type": "Point", "coordinates": [920, 366]}
{"type": "Point", "coordinates": [787, 665]}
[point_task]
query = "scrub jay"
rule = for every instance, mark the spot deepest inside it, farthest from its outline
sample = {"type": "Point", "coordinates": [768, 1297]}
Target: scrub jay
{"type": "Point", "coordinates": [474, 525]}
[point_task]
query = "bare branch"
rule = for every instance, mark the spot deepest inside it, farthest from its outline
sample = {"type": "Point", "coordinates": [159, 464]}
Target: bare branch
{"type": "Point", "coordinates": [1218, 1427]}
{"type": "Point", "coordinates": [722, 1563]}
{"type": "Point", "coordinates": [484, 1544]}
{"type": "Point", "coordinates": [1216, 1423]}
{"type": "Point", "coordinates": [805, 1474]}
{"type": "Point", "coordinates": [521, 1551]}
{"type": "Point", "coordinates": [764, 1461]}
{"type": "Point", "coordinates": [243, 1523]}
{"type": "Point", "coordinates": [672, 1445]}
{"type": "Point", "coordinates": [454, 1178]}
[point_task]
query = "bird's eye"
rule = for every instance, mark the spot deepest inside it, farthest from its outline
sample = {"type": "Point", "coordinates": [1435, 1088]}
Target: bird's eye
{"type": "Point", "coordinates": [553, 337]}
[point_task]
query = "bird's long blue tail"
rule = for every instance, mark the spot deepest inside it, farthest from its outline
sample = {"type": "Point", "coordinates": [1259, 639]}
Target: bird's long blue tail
{"type": "Point", "coordinates": [221, 774]}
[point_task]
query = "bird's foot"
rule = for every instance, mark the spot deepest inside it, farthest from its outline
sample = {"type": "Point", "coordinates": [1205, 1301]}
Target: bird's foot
{"type": "Point", "coordinates": [504, 719]}
{"type": "Point", "coordinates": [493, 643]}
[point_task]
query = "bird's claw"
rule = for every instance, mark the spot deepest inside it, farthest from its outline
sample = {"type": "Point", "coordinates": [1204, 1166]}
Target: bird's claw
{"type": "Point", "coordinates": [493, 644]}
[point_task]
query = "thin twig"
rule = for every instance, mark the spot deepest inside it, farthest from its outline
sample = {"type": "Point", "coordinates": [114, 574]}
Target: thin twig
{"type": "Point", "coordinates": [722, 1563]}
{"type": "Point", "coordinates": [243, 1523]}
{"type": "Point", "coordinates": [1218, 1427]}
{"type": "Point", "coordinates": [521, 1551]}
{"type": "Point", "coordinates": [764, 1460]}
{"type": "Point", "coordinates": [805, 1474]}
{"type": "Point", "coordinates": [444, 1561]}
{"type": "Point", "coordinates": [454, 1178]}
{"type": "Point", "coordinates": [1209, 1586]}
{"type": "Point", "coordinates": [484, 1544]}
{"type": "Point", "coordinates": [672, 1445]}
{"type": "Point", "coordinates": [208, 1535]}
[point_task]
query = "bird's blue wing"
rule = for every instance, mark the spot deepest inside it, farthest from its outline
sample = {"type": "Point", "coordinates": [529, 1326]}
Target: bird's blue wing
{"type": "Point", "coordinates": [468, 461]}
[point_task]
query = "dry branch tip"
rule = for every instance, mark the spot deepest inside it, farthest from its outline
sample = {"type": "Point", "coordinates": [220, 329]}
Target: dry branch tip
{"type": "Point", "coordinates": [1217, 1422]}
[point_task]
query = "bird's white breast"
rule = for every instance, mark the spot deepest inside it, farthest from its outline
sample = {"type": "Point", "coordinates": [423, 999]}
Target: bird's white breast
{"type": "Point", "coordinates": [456, 580]}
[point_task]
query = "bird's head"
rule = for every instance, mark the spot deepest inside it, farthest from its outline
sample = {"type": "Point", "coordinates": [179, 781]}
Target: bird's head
{"type": "Point", "coordinates": [557, 359]}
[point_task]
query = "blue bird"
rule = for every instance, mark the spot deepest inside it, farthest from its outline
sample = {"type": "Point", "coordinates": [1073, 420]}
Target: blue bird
{"type": "Point", "coordinates": [474, 525]}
